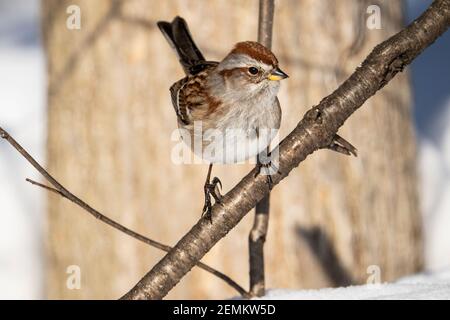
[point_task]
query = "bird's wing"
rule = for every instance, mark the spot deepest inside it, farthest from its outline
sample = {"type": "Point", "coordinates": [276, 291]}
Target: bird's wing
{"type": "Point", "coordinates": [278, 113]}
{"type": "Point", "coordinates": [178, 101]}
{"type": "Point", "coordinates": [189, 97]}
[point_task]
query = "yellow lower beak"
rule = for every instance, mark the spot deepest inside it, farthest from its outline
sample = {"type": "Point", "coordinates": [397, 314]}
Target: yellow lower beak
{"type": "Point", "coordinates": [277, 75]}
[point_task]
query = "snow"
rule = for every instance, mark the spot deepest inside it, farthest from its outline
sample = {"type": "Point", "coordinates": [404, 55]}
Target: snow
{"type": "Point", "coordinates": [22, 93]}
{"type": "Point", "coordinates": [434, 164]}
{"type": "Point", "coordinates": [418, 287]}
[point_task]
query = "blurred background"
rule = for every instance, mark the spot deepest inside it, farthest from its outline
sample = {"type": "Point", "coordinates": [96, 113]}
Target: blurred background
{"type": "Point", "coordinates": [93, 105]}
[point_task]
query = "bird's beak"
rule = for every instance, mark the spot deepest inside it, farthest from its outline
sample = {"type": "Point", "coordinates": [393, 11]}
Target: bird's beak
{"type": "Point", "coordinates": [277, 75]}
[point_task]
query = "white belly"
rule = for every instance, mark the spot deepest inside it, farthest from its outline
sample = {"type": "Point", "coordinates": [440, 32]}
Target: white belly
{"type": "Point", "coordinates": [240, 134]}
{"type": "Point", "coordinates": [235, 146]}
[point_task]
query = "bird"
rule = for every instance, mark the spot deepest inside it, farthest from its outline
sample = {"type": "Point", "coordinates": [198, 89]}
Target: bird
{"type": "Point", "coordinates": [229, 107]}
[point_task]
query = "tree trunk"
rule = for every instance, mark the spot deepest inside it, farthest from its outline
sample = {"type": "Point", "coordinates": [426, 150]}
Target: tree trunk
{"type": "Point", "coordinates": [109, 141]}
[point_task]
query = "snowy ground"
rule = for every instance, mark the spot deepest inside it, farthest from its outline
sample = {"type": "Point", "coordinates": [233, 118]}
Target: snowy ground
{"type": "Point", "coordinates": [420, 287]}
{"type": "Point", "coordinates": [22, 112]}
{"type": "Point", "coordinates": [22, 96]}
{"type": "Point", "coordinates": [434, 165]}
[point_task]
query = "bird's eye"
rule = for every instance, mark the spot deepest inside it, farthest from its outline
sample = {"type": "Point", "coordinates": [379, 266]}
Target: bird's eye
{"type": "Point", "coordinates": [253, 70]}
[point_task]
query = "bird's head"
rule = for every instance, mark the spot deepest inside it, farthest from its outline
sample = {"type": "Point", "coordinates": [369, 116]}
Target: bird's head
{"type": "Point", "coordinates": [250, 69]}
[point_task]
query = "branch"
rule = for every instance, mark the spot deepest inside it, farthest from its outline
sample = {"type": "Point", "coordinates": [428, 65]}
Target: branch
{"type": "Point", "coordinates": [315, 131]}
{"type": "Point", "coordinates": [60, 190]}
{"type": "Point", "coordinates": [258, 233]}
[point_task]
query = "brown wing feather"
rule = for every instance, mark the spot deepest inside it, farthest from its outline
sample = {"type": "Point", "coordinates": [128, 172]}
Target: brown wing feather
{"type": "Point", "coordinates": [178, 101]}
{"type": "Point", "coordinates": [190, 99]}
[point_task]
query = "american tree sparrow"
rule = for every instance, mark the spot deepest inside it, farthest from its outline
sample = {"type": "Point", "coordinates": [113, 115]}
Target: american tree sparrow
{"type": "Point", "coordinates": [230, 107]}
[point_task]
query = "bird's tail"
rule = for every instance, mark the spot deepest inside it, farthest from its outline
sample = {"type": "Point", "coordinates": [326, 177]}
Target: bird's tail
{"type": "Point", "coordinates": [180, 39]}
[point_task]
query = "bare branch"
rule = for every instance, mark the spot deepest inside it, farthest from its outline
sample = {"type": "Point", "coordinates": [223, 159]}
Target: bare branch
{"type": "Point", "coordinates": [258, 233]}
{"type": "Point", "coordinates": [315, 131]}
{"type": "Point", "coordinates": [60, 190]}
{"type": "Point", "coordinates": [45, 187]}
{"type": "Point", "coordinates": [265, 22]}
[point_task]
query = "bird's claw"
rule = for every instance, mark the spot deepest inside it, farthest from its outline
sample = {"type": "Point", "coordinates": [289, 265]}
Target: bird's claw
{"type": "Point", "coordinates": [268, 166]}
{"type": "Point", "coordinates": [211, 189]}
{"type": "Point", "coordinates": [206, 212]}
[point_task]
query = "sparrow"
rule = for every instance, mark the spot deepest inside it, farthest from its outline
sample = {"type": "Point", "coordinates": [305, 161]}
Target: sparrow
{"type": "Point", "coordinates": [227, 111]}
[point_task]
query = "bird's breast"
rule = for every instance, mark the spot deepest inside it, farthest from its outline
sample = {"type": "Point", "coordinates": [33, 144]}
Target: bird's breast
{"type": "Point", "coordinates": [242, 132]}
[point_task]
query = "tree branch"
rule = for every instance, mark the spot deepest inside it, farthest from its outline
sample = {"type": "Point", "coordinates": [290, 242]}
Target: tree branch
{"type": "Point", "coordinates": [258, 233]}
{"type": "Point", "coordinates": [315, 131]}
{"type": "Point", "coordinates": [62, 191]}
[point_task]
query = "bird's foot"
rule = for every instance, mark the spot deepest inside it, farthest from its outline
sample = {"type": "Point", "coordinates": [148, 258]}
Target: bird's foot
{"type": "Point", "coordinates": [268, 168]}
{"type": "Point", "coordinates": [211, 189]}
{"type": "Point", "coordinates": [341, 145]}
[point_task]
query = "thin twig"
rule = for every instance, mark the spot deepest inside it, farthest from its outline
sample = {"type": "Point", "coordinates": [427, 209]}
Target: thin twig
{"type": "Point", "coordinates": [315, 131]}
{"type": "Point", "coordinates": [258, 233]}
{"type": "Point", "coordinates": [62, 191]}
{"type": "Point", "coordinates": [54, 190]}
